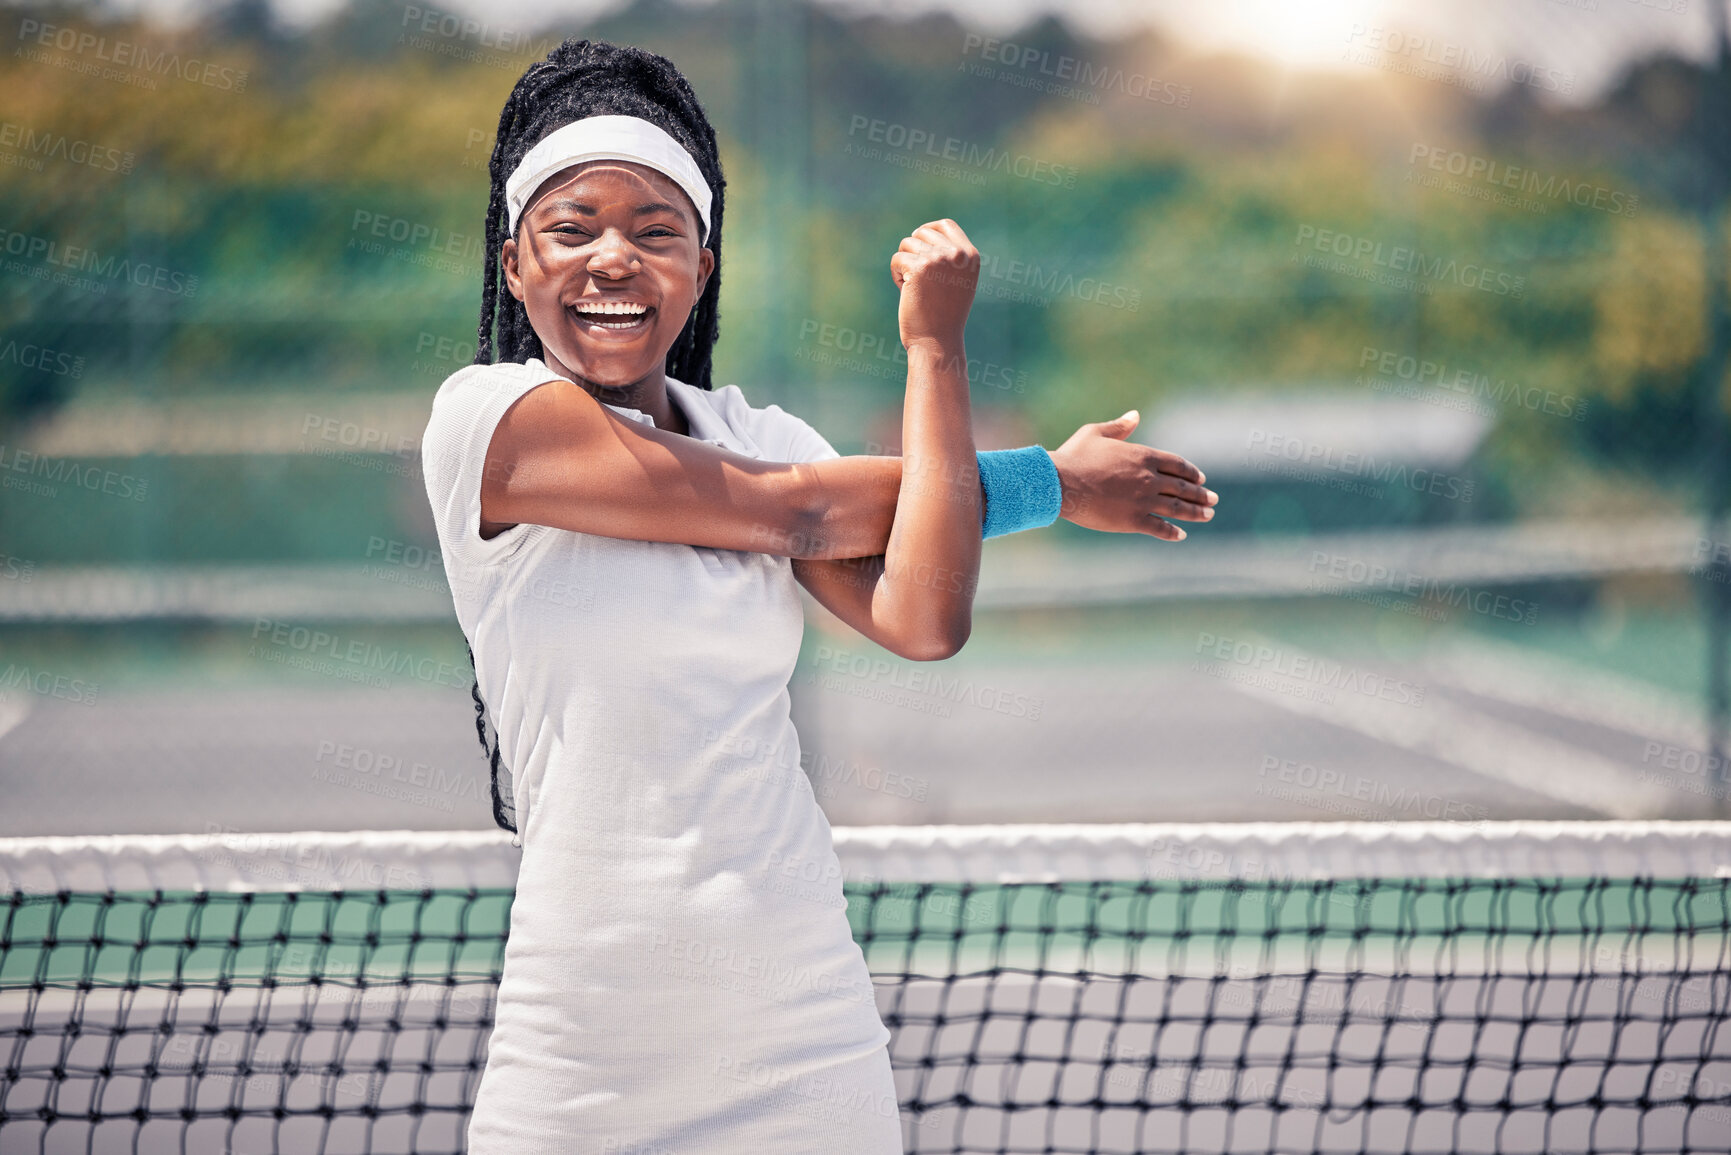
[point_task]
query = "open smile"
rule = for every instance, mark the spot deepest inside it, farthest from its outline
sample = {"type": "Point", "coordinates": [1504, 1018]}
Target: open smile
{"type": "Point", "coordinates": [623, 317]}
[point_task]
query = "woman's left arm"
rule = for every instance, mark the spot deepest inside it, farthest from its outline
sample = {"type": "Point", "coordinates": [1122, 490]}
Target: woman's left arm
{"type": "Point", "coordinates": [937, 510]}
{"type": "Point", "coordinates": [916, 599]}
{"type": "Point", "coordinates": [1110, 484]}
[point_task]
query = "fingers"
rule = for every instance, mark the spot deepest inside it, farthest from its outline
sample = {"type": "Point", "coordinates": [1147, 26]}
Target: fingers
{"type": "Point", "coordinates": [1120, 427]}
{"type": "Point", "coordinates": [1164, 530]}
{"type": "Point", "coordinates": [1175, 466]}
{"type": "Point", "coordinates": [944, 237]}
{"type": "Point", "coordinates": [1186, 491]}
{"type": "Point", "coordinates": [944, 231]}
{"type": "Point", "coordinates": [1183, 500]}
{"type": "Point", "coordinates": [924, 239]}
{"type": "Point", "coordinates": [1180, 510]}
{"type": "Point", "coordinates": [900, 266]}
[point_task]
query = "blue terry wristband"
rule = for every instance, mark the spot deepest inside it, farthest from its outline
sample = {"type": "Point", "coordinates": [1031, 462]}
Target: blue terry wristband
{"type": "Point", "coordinates": [1021, 489]}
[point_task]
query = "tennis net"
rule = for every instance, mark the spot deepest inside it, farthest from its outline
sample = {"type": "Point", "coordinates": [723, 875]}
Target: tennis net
{"type": "Point", "coordinates": [1499, 987]}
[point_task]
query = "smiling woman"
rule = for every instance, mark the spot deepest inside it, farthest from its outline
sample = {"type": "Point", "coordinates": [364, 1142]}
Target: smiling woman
{"type": "Point", "coordinates": [659, 992]}
{"type": "Point", "coordinates": [650, 974]}
{"type": "Point", "coordinates": [615, 267]}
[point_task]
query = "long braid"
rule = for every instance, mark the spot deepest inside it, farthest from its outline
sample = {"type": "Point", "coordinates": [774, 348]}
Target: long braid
{"type": "Point", "coordinates": [583, 78]}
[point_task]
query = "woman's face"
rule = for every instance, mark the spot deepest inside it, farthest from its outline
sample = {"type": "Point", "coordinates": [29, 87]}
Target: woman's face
{"type": "Point", "coordinates": [608, 264]}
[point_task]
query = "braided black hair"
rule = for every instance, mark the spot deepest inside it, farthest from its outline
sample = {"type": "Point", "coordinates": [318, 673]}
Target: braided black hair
{"type": "Point", "coordinates": [579, 79]}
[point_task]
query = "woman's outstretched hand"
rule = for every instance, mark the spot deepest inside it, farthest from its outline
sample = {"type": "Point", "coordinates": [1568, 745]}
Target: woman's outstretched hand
{"type": "Point", "coordinates": [1114, 485]}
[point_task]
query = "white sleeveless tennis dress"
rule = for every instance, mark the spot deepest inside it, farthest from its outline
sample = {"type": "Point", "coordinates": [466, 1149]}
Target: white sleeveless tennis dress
{"type": "Point", "coordinates": [675, 980]}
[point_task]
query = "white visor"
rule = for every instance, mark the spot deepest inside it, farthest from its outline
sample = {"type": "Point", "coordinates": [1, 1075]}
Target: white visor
{"type": "Point", "coordinates": [607, 138]}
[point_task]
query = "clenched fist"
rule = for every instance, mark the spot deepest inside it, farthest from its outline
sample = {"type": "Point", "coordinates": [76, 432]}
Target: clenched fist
{"type": "Point", "coordinates": [936, 268]}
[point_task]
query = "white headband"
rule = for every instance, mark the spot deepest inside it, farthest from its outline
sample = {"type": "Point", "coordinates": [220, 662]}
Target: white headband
{"type": "Point", "coordinates": [607, 138]}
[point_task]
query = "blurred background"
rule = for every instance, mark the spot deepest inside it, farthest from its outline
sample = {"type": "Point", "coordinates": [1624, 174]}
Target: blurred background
{"type": "Point", "coordinates": [1435, 296]}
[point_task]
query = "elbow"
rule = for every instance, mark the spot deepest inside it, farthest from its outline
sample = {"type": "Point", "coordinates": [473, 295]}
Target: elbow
{"type": "Point", "coordinates": [935, 645]}
{"type": "Point", "coordinates": [809, 529]}
{"type": "Point", "coordinates": [796, 533]}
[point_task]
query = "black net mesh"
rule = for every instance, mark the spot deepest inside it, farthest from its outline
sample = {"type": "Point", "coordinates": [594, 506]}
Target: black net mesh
{"type": "Point", "coordinates": [1574, 1015]}
{"type": "Point", "coordinates": [1417, 1015]}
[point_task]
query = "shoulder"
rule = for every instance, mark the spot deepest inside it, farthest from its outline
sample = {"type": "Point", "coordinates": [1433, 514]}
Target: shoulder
{"type": "Point", "coordinates": [780, 435]}
{"type": "Point", "coordinates": [478, 395]}
{"type": "Point", "coordinates": [466, 410]}
{"type": "Point", "coordinates": [473, 382]}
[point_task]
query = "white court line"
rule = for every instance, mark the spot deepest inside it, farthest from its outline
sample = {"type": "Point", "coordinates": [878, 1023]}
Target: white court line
{"type": "Point", "coordinates": [1567, 689]}
{"type": "Point", "coordinates": [1478, 743]}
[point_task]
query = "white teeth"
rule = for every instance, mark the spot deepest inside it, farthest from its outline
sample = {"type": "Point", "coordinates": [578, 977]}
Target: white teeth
{"type": "Point", "coordinates": [623, 307]}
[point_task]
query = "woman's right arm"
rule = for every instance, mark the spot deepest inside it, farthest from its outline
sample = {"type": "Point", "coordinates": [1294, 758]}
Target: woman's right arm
{"type": "Point", "coordinates": [558, 457]}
